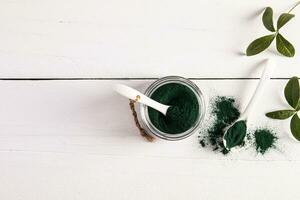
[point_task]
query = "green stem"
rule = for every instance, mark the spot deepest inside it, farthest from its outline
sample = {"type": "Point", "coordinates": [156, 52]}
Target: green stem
{"type": "Point", "coordinates": [294, 7]}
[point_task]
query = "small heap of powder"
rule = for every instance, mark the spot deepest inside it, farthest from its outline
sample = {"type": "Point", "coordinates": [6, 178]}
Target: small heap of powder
{"type": "Point", "coordinates": [224, 112]}
{"type": "Point", "coordinates": [182, 114]}
{"type": "Point", "coordinates": [265, 139]}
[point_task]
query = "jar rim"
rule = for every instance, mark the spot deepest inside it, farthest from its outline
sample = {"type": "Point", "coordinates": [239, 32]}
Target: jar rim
{"type": "Point", "coordinates": [146, 122]}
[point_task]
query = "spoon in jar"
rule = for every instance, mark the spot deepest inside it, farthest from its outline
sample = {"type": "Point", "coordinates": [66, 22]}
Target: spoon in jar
{"type": "Point", "coordinates": [235, 133]}
{"type": "Point", "coordinates": [141, 98]}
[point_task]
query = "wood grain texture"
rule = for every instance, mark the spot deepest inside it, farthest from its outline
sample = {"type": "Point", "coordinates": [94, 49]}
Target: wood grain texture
{"type": "Point", "coordinates": [98, 38]}
{"type": "Point", "coordinates": [77, 140]}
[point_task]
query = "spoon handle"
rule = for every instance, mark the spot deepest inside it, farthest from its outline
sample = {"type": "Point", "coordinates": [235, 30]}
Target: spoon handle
{"type": "Point", "coordinates": [139, 97]}
{"type": "Point", "coordinates": [266, 76]}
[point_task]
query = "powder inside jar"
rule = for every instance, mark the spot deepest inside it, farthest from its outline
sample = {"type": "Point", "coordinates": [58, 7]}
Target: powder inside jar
{"type": "Point", "coordinates": [184, 110]}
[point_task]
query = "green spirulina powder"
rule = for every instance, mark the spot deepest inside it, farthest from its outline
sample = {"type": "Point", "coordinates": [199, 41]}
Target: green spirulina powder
{"type": "Point", "coordinates": [265, 139]}
{"type": "Point", "coordinates": [224, 113]}
{"type": "Point", "coordinates": [236, 134]}
{"type": "Point", "coordinates": [182, 114]}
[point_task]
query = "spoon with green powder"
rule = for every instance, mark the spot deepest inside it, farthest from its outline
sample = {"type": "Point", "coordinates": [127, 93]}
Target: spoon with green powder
{"type": "Point", "coordinates": [171, 111]}
{"type": "Point", "coordinates": [235, 134]}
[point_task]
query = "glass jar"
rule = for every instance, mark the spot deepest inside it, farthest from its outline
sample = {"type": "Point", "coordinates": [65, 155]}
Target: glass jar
{"type": "Point", "coordinates": [146, 122]}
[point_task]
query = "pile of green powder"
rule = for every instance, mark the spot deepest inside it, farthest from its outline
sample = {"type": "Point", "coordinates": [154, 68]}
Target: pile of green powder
{"type": "Point", "coordinates": [224, 112]}
{"type": "Point", "coordinates": [265, 139]}
{"type": "Point", "coordinates": [182, 114]}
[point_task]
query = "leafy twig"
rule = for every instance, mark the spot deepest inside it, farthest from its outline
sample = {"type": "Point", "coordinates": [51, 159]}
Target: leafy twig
{"type": "Point", "coordinates": [283, 46]}
{"type": "Point", "coordinates": [292, 96]}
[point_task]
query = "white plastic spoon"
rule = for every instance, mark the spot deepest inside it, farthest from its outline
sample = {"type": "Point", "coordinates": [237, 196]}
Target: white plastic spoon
{"type": "Point", "coordinates": [266, 76]}
{"type": "Point", "coordinates": [141, 98]}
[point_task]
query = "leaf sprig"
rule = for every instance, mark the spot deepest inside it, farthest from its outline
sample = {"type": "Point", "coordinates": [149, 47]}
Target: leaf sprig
{"type": "Point", "coordinates": [292, 96]}
{"type": "Point", "coordinates": [283, 46]}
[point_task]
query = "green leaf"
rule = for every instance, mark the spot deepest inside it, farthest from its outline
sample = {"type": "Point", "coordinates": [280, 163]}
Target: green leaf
{"type": "Point", "coordinates": [292, 92]}
{"type": "Point", "coordinates": [283, 19]}
{"type": "Point", "coordinates": [295, 127]}
{"type": "Point", "coordinates": [284, 47]}
{"type": "Point", "coordinates": [268, 19]}
{"type": "Point", "coordinates": [260, 45]}
{"type": "Point", "coordinates": [281, 114]}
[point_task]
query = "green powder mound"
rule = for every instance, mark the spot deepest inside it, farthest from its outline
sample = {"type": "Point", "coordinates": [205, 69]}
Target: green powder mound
{"type": "Point", "coordinates": [182, 114]}
{"type": "Point", "coordinates": [175, 113]}
{"type": "Point", "coordinates": [236, 134]}
{"type": "Point", "coordinates": [224, 113]}
{"type": "Point", "coordinates": [264, 140]}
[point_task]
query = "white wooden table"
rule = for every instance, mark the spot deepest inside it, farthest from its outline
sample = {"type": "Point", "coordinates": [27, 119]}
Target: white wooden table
{"type": "Point", "coordinates": [65, 135]}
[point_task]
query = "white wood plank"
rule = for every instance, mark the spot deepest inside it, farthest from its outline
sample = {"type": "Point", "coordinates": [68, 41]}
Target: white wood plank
{"type": "Point", "coordinates": [34, 176]}
{"type": "Point", "coordinates": [88, 117]}
{"type": "Point", "coordinates": [76, 140]}
{"type": "Point", "coordinates": [98, 38]}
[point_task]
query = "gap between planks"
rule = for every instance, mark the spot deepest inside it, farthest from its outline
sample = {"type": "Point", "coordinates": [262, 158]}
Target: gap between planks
{"type": "Point", "coordinates": [128, 78]}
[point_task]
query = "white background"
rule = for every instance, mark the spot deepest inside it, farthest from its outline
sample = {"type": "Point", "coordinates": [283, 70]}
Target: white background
{"type": "Point", "coordinates": [65, 135]}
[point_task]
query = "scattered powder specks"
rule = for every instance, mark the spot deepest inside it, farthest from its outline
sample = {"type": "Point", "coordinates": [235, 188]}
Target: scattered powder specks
{"type": "Point", "coordinates": [223, 112]}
